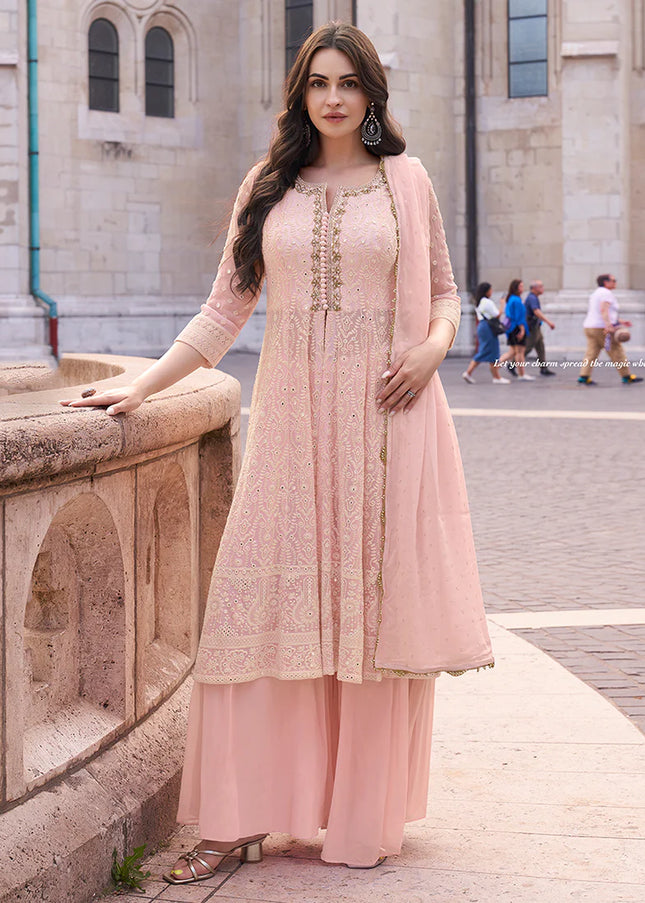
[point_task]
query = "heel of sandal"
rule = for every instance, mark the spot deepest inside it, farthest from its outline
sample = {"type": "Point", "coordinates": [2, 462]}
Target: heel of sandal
{"type": "Point", "coordinates": [252, 852]}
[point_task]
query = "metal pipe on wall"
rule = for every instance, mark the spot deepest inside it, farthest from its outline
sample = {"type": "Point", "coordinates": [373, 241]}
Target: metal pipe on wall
{"type": "Point", "coordinates": [34, 196]}
{"type": "Point", "coordinates": [472, 262]}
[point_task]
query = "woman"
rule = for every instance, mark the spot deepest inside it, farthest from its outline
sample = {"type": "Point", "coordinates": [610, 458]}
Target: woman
{"type": "Point", "coordinates": [517, 328]}
{"type": "Point", "coordinates": [488, 350]}
{"type": "Point", "coordinates": [347, 565]}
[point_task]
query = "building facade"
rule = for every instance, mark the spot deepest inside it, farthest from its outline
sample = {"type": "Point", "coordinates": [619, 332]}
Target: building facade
{"type": "Point", "coordinates": [148, 120]}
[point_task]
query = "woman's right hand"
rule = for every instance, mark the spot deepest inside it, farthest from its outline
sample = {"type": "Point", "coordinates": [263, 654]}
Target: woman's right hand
{"type": "Point", "coordinates": [118, 400]}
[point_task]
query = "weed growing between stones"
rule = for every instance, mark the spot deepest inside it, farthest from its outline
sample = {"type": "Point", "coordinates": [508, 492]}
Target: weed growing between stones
{"type": "Point", "coordinates": [128, 874]}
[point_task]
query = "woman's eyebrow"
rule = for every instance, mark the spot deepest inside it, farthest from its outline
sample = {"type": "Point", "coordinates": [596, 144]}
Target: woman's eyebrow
{"type": "Point", "coordinates": [342, 77]}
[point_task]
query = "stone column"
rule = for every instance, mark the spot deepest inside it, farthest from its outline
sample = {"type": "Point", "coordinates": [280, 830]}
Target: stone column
{"type": "Point", "coordinates": [416, 43]}
{"type": "Point", "coordinates": [595, 69]}
{"type": "Point", "coordinates": [421, 47]}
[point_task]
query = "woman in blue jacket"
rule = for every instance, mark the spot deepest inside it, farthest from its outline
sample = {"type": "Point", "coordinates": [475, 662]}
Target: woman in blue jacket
{"type": "Point", "coordinates": [516, 328]}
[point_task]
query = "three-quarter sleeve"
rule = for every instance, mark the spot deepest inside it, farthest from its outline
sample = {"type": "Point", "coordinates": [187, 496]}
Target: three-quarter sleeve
{"type": "Point", "coordinates": [445, 302]}
{"type": "Point", "coordinates": [213, 330]}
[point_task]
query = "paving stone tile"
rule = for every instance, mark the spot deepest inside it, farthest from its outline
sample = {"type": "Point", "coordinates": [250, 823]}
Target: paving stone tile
{"type": "Point", "coordinates": [153, 887]}
{"type": "Point", "coordinates": [189, 893]}
{"type": "Point", "coordinates": [611, 670]}
{"type": "Point", "coordinates": [130, 898]}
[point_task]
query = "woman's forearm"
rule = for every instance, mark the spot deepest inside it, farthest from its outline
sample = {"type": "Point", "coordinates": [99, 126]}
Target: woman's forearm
{"type": "Point", "coordinates": [441, 333]}
{"type": "Point", "coordinates": [179, 361]}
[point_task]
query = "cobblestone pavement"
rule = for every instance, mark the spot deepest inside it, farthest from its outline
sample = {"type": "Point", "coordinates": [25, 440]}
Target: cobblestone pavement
{"type": "Point", "coordinates": [610, 659]}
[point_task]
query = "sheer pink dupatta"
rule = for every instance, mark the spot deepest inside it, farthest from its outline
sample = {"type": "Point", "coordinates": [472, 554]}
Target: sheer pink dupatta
{"type": "Point", "coordinates": [432, 614]}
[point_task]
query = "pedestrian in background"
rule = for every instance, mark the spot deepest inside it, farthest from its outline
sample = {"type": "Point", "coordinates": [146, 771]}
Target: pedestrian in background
{"type": "Point", "coordinates": [516, 329]}
{"type": "Point", "coordinates": [601, 322]}
{"type": "Point", "coordinates": [488, 348]}
{"type": "Point", "coordinates": [535, 318]}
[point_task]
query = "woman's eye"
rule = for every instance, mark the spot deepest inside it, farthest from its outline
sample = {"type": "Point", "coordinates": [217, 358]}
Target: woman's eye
{"type": "Point", "coordinates": [317, 84]}
{"type": "Point", "coordinates": [351, 84]}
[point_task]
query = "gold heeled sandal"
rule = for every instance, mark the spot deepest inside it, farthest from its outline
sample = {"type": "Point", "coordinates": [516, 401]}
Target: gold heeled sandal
{"type": "Point", "coordinates": [378, 862]}
{"type": "Point", "coordinates": [250, 851]}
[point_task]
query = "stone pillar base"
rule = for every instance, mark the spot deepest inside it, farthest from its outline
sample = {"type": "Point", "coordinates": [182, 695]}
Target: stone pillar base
{"type": "Point", "coordinates": [58, 844]}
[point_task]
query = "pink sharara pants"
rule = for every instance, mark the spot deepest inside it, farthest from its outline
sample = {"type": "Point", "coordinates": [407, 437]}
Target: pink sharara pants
{"type": "Point", "coordinates": [295, 756]}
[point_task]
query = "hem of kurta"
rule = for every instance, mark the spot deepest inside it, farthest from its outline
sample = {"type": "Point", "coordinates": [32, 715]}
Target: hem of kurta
{"type": "Point", "coordinates": [379, 674]}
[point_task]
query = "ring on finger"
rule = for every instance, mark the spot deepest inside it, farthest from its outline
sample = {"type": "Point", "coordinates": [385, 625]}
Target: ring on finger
{"type": "Point", "coordinates": [411, 393]}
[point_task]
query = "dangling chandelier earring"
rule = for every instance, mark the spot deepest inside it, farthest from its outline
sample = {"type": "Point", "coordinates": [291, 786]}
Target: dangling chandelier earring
{"type": "Point", "coordinates": [307, 131]}
{"type": "Point", "coordinates": [371, 131]}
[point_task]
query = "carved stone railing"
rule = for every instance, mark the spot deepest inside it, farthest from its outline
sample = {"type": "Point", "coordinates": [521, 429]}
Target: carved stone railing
{"type": "Point", "coordinates": [110, 527]}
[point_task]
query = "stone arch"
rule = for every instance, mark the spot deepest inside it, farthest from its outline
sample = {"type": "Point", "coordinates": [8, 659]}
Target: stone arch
{"type": "Point", "coordinates": [184, 37]}
{"type": "Point", "coordinates": [126, 28]}
{"type": "Point", "coordinates": [168, 619]}
{"type": "Point", "coordinates": [74, 637]}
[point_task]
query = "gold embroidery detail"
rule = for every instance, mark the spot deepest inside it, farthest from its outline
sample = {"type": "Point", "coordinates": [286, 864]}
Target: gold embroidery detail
{"type": "Point", "coordinates": [386, 418]}
{"type": "Point", "coordinates": [316, 244]}
{"type": "Point", "coordinates": [436, 673]}
{"type": "Point", "coordinates": [325, 242]}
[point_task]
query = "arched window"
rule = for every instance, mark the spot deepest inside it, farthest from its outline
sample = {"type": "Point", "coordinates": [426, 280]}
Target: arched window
{"type": "Point", "coordinates": [527, 48]}
{"type": "Point", "coordinates": [103, 47]}
{"type": "Point", "coordinates": [299, 21]}
{"type": "Point", "coordinates": [160, 74]}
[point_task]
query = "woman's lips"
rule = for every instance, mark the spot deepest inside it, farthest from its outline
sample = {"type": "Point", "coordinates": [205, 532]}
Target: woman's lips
{"type": "Point", "coordinates": [335, 117]}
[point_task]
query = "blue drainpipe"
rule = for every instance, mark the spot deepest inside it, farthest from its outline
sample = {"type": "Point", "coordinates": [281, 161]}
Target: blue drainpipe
{"type": "Point", "coordinates": [34, 200]}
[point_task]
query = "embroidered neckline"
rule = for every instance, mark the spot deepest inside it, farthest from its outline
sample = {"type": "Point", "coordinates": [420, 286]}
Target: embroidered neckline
{"type": "Point", "coordinates": [305, 187]}
{"type": "Point", "coordinates": [326, 278]}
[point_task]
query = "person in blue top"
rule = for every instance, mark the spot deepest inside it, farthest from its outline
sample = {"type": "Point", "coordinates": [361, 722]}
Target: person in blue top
{"type": "Point", "coordinates": [516, 329]}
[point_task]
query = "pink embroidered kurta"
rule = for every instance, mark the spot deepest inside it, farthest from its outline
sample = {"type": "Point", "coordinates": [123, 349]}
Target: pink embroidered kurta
{"type": "Point", "coordinates": [297, 588]}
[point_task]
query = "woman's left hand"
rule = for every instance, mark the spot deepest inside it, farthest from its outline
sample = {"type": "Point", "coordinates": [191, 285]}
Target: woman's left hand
{"type": "Point", "coordinates": [410, 372]}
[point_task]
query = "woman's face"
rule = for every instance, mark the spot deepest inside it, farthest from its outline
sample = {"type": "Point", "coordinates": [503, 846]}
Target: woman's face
{"type": "Point", "coordinates": [334, 98]}
{"type": "Point", "coordinates": [489, 293]}
{"type": "Point", "coordinates": [520, 288]}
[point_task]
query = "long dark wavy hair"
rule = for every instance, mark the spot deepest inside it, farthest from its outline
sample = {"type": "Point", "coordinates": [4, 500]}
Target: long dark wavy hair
{"type": "Point", "coordinates": [482, 290]}
{"type": "Point", "coordinates": [514, 288]}
{"type": "Point", "coordinates": [289, 151]}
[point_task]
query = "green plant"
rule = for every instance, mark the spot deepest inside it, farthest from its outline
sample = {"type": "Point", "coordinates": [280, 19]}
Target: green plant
{"type": "Point", "coordinates": [129, 873]}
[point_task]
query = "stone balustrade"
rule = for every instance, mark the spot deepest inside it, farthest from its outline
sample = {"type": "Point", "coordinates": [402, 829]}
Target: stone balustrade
{"type": "Point", "coordinates": [110, 527]}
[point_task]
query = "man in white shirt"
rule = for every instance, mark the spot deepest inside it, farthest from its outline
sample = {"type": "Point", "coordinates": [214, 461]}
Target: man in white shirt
{"type": "Point", "coordinates": [601, 323]}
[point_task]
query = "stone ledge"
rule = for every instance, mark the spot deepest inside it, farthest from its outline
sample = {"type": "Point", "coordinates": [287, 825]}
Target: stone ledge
{"type": "Point", "coordinates": [58, 844]}
{"type": "Point", "coordinates": [39, 437]}
{"type": "Point", "coordinates": [589, 48]}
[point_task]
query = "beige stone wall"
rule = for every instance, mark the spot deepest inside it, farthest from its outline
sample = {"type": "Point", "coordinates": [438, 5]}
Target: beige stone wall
{"type": "Point", "coordinates": [417, 43]}
{"type": "Point", "coordinates": [637, 148]}
{"type": "Point", "coordinates": [519, 163]}
{"type": "Point", "coordinates": [11, 169]}
{"type": "Point", "coordinates": [129, 203]}
{"type": "Point", "coordinates": [595, 154]}
{"type": "Point", "coordinates": [128, 200]}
